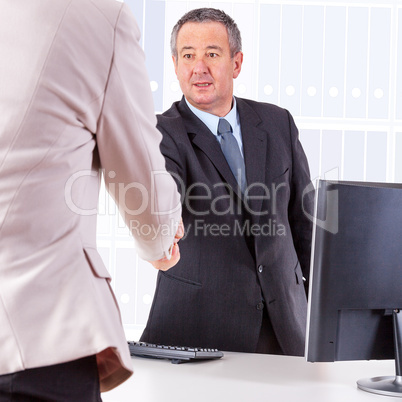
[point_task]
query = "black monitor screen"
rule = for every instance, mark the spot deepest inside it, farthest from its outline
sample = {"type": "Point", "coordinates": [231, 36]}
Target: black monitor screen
{"type": "Point", "coordinates": [356, 275]}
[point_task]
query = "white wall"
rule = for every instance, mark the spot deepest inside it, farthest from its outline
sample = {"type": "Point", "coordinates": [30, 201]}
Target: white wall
{"type": "Point", "coordinates": [335, 65]}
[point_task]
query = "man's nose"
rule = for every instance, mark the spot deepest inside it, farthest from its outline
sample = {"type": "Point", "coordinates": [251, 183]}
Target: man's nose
{"type": "Point", "coordinates": [200, 67]}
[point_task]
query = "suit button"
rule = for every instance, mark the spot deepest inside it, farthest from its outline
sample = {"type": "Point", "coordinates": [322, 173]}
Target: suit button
{"type": "Point", "coordinates": [260, 306]}
{"type": "Point", "coordinates": [260, 268]}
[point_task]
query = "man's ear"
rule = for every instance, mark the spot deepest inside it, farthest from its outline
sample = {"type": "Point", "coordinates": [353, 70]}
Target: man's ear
{"type": "Point", "coordinates": [175, 64]}
{"type": "Point", "coordinates": [237, 62]}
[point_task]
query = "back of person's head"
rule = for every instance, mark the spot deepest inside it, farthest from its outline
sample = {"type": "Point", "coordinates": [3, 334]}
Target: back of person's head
{"type": "Point", "coordinates": [201, 15]}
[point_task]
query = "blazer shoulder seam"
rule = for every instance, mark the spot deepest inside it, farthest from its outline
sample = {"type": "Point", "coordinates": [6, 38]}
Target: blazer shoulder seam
{"type": "Point", "coordinates": [107, 17]}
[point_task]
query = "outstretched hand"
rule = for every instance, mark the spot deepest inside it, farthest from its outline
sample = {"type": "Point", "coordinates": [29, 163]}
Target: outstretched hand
{"type": "Point", "coordinates": [164, 263]}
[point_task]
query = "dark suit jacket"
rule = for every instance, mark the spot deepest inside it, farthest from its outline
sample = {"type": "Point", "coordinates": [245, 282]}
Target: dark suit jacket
{"type": "Point", "coordinates": [239, 255]}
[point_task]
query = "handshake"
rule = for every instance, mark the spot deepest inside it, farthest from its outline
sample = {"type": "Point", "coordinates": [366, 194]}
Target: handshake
{"type": "Point", "coordinates": [165, 263]}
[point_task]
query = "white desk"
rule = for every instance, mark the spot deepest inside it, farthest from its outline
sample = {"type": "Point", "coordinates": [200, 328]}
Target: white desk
{"type": "Point", "coordinates": [244, 377]}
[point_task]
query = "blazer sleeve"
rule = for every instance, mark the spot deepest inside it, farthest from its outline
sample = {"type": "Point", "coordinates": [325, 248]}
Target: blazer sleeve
{"type": "Point", "coordinates": [301, 203]}
{"type": "Point", "coordinates": [128, 146]}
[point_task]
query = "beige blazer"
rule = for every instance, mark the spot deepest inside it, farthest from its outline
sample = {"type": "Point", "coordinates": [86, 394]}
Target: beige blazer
{"type": "Point", "coordinates": [74, 100]}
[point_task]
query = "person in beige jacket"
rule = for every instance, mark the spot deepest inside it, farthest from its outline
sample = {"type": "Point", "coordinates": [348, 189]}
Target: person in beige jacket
{"type": "Point", "coordinates": [75, 105]}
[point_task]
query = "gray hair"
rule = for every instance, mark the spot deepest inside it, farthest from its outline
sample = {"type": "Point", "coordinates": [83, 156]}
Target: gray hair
{"type": "Point", "coordinates": [208, 15]}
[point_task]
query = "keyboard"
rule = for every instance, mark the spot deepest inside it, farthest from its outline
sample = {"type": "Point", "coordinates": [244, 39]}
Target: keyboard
{"type": "Point", "coordinates": [177, 354]}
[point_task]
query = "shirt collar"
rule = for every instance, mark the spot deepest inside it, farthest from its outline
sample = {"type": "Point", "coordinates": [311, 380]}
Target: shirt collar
{"type": "Point", "coordinates": [211, 121]}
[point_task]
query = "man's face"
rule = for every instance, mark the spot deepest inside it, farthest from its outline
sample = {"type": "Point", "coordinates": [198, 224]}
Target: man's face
{"type": "Point", "coordinates": [204, 67]}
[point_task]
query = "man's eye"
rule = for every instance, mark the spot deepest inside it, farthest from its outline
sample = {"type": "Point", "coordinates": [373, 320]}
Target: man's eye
{"type": "Point", "coordinates": [212, 55]}
{"type": "Point", "coordinates": [187, 56]}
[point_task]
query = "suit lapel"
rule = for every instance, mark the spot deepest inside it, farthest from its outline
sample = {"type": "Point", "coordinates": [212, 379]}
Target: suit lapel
{"type": "Point", "coordinates": [202, 137]}
{"type": "Point", "coordinates": [254, 148]}
{"type": "Point", "coordinates": [255, 154]}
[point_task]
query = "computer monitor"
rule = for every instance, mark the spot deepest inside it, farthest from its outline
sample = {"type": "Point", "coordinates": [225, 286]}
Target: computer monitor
{"type": "Point", "coordinates": [355, 293]}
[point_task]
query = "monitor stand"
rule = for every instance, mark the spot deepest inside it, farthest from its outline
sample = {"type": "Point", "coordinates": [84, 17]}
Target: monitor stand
{"type": "Point", "coordinates": [390, 386]}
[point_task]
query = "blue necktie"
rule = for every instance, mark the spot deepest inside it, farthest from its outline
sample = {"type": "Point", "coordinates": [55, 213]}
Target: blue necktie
{"type": "Point", "coordinates": [230, 149]}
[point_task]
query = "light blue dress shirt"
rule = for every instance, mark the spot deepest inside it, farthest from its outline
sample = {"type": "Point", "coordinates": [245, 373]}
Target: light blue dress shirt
{"type": "Point", "coordinates": [211, 121]}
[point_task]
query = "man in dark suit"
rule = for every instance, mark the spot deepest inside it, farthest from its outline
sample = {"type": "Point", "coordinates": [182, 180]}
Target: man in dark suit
{"type": "Point", "coordinates": [241, 282]}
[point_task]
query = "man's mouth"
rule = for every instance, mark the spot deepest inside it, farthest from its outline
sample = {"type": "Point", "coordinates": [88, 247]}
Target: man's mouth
{"type": "Point", "coordinates": [203, 84]}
